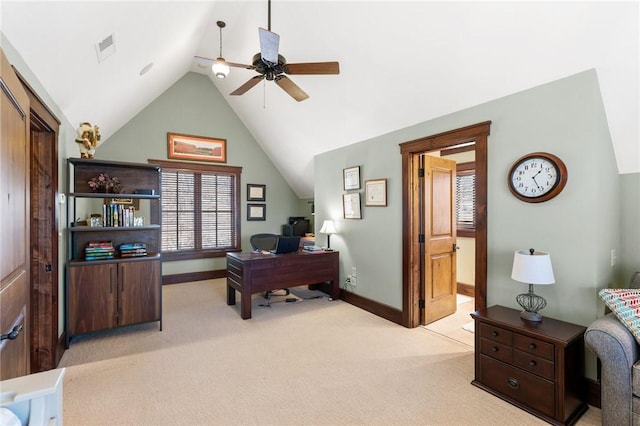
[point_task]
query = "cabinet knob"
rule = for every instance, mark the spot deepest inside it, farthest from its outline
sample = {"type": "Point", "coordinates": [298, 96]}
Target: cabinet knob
{"type": "Point", "coordinates": [532, 345]}
{"type": "Point", "coordinates": [513, 383]}
{"type": "Point", "coordinates": [495, 349]}
{"type": "Point", "coordinates": [495, 333]}
{"type": "Point", "coordinates": [532, 363]}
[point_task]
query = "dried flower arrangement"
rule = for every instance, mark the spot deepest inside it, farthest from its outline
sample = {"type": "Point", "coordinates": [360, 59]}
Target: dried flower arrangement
{"type": "Point", "coordinates": [105, 183]}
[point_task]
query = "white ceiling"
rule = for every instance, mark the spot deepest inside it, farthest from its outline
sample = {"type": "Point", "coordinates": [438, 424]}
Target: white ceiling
{"type": "Point", "coordinates": [401, 63]}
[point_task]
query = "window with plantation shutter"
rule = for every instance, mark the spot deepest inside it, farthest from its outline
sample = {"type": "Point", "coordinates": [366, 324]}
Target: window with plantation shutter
{"type": "Point", "coordinates": [466, 200]}
{"type": "Point", "coordinates": [200, 210]}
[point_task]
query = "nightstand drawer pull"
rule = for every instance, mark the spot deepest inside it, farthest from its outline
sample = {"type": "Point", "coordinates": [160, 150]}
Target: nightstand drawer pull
{"type": "Point", "coordinates": [494, 349]}
{"type": "Point", "coordinates": [495, 333]}
{"type": "Point", "coordinates": [532, 346]}
{"type": "Point", "coordinates": [513, 383]}
{"type": "Point", "coordinates": [532, 363]}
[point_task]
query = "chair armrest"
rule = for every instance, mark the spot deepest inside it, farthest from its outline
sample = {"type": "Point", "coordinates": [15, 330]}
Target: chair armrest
{"type": "Point", "coordinates": [618, 351]}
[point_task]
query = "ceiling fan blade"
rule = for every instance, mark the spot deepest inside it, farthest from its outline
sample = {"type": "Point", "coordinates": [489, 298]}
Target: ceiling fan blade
{"type": "Point", "coordinates": [313, 68]}
{"type": "Point", "coordinates": [231, 64]}
{"type": "Point", "coordinates": [269, 44]}
{"type": "Point", "coordinates": [248, 85]}
{"type": "Point", "coordinates": [291, 88]}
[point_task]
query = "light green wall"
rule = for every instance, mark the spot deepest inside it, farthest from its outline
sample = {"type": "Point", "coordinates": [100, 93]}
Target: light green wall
{"type": "Point", "coordinates": [629, 257]}
{"type": "Point", "coordinates": [579, 227]}
{"type": "Point", "coordinates": [194, 106]}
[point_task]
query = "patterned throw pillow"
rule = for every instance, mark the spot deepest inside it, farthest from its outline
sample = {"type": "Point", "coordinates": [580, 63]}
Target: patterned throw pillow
{"type": "Point", "coordinates": [625, 304]}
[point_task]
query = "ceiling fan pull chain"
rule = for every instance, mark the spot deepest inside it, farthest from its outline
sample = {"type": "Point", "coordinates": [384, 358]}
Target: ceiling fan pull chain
{"type": "Point", "coordinates": [269, 16]}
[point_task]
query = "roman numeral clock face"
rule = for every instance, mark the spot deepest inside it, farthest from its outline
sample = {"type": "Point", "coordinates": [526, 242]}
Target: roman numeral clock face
{"type": "Point", "coordinates": [537, 177]}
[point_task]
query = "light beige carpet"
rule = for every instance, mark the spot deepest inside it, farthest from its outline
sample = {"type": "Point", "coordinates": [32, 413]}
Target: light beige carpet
{"type": "Point", "coordinates": [312, 362]}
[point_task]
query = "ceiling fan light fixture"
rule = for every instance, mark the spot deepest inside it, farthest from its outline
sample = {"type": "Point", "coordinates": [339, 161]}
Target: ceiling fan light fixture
{"type": "Point", "coordinates": [220, 68]}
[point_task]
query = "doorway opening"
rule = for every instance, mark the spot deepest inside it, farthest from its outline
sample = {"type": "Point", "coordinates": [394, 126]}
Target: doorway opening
{"type": "Point", "coordinates": [413, 239]}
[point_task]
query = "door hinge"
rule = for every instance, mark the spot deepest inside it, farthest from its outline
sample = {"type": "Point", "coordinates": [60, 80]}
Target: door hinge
{"type": "Point", "coordinates": [421, 303]}
{"type": "Point", "coordinates": [421, 238]}
{"type": "Point", "coordinates": [420, 172]}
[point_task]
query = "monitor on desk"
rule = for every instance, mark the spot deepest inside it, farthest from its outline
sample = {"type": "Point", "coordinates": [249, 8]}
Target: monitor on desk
{"type": "Point", "coordinates": [287, 245]}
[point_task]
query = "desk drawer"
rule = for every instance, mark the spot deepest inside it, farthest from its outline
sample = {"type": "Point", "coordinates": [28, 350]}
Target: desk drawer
{"type": "Point", "coordinates": [518, 385]}
{"type": "Point", "coordinates": [534, 364]}
{"type": "Point", "coordinates": [533, 346]}
{"type": "Point", "coordinates": [496, 350]}
{"type": "Point", "coordinates": [496, 334]}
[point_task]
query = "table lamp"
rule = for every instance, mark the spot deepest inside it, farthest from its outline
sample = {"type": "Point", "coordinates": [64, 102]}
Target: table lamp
{"type": "Point", "coordinates": [532, 267]}
{"type": "Point", "coordinates": [328, 228]}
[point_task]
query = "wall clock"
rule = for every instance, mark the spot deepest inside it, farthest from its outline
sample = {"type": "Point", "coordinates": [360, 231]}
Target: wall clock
{"type": "Point", "coordinates": [537, 177]}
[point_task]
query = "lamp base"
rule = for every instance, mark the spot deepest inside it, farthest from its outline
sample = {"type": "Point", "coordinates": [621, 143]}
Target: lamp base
{"type": "Point", "coordinates": [531, 303]}
{"type": "Point", "coordinates": [531, 316]}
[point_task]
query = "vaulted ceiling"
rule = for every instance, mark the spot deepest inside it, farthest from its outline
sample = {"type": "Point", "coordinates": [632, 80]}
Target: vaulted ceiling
{"type": "Point", "coordinates": [401, 63]}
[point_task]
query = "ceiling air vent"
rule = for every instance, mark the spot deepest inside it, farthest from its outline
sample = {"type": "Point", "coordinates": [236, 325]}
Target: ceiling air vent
{"type": "Point", "coordinates": [106, 47]}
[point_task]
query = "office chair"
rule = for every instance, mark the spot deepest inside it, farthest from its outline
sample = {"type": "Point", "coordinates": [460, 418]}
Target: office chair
{"type": "Point", "coordinates": [265, 242]}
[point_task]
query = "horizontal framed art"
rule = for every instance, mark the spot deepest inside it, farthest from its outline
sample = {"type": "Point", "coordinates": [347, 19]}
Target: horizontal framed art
{"type": "Point", "coordinates": [256, 212]}
{"type": "Point", "coordinates": [256, 192]}
{"type": "Point", "coordinates": [351, 205]}
{"type": "Point", "coordinates": [375, 191]}
{"type": "Point", "coordinates": [127, 202]}
{"type": "Point", "coordinates": [199, 148]}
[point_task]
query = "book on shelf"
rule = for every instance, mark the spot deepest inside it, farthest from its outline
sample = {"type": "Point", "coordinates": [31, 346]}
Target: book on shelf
{"type": "Point", "coordinates": [133, 249]}
{"type": "Point", "coordinates": [99, 244]}
{"type": "Point", "coordinates": [99, 250]}
{"type": "Point", "coordinates": [133, 254]}
{"type": "Point", "coordinates": [133, 246]}
{"type": "Point", "coordinates": [116, 215]}
{"type": "Point", "coordinates": [99, 257]}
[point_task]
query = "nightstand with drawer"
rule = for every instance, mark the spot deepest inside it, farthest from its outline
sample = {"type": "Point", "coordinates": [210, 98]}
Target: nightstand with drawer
{"type": "Point", "coordinates": [537, 366]}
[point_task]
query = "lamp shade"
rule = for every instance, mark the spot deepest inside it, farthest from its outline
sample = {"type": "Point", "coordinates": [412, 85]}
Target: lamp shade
{"type": "Point", "coordinates": [328, 227]}
{"type": "Point", "coordinates": [532, 267]}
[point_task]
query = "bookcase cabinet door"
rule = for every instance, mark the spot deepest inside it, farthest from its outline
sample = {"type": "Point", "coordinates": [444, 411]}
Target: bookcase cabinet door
{"type": "Point", "coordinates": [139, 293]}
{"type": "Point", "coordinates": [92, 298]}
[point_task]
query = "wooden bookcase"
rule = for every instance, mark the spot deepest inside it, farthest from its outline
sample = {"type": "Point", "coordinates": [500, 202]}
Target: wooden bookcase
{"type": "Point", "coordinates": [112, 292]}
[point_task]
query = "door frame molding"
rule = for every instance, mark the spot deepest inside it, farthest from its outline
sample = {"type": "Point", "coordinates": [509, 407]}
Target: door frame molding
{"type": "Point", "coordinates": [45, 344]}
{"type": "Point", "coordinates": [411, 152]}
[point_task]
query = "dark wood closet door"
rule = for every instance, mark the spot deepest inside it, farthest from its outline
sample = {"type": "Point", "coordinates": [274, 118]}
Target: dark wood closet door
{"type": "Point", "coordinates": [14, 228]}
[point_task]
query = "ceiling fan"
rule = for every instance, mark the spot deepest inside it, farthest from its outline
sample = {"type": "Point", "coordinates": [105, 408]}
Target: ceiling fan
{"type": "Point", "coordinates": [272, 66]}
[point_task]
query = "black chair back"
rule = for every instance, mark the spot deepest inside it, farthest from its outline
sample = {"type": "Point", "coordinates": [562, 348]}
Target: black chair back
{"type": "Point", "coordinates": [263, 241]}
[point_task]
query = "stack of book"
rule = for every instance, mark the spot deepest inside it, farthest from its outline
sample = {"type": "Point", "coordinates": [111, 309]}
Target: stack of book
{"type": "Point", "coordinates": [312, 248]}
{"type": "Point", "coordinates": [133, 249]}
{"type": "Point", "coordinates": [99, 250]}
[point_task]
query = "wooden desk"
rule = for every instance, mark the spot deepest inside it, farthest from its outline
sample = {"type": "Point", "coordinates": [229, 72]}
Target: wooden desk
{"type": "Point", "coordinates": [251, 273]}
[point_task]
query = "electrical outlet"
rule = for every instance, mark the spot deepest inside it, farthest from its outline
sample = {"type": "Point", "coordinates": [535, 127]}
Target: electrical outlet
{"type": "Point", "coordinates": [353, 271]}
{"type": "Point", "coordinates": [614, 258]}
{"type": "Point", "coordinates": [353, 281]}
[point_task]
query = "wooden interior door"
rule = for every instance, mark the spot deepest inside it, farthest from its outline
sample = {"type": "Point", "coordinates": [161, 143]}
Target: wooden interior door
{"type": "Point", "coordinates": [14, 209]}
{"type": "Point", "coordinates": [439, 262]}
